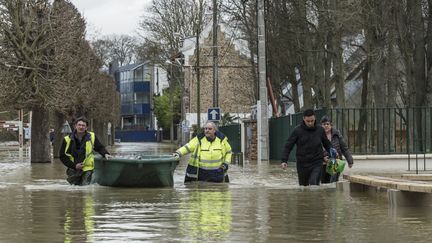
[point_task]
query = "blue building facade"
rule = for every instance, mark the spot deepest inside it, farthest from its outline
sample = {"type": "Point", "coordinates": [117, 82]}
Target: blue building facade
{"type": "Point", "coordinates": [135, 84]}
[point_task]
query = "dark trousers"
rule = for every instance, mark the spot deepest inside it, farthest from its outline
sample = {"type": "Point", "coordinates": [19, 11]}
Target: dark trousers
{"type": "Point", "coordinates": [78, 177]}
{"type": "Point", "coordinates": [86, 178]}
{"type": "Point", "coordinates": [309, 175]}
{"type": "Point", "coordinates": [206, 175]}
{"type": "Point", "coordinates": [327, 178]}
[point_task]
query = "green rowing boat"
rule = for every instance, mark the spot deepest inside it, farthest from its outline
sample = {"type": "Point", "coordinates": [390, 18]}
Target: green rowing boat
{"type": "Point", "coordinates": [145, 171]}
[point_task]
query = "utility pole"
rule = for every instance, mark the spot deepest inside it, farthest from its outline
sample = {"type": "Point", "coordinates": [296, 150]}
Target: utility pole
{"type": "Point", "coordinates": [215, 55]}
{"type": "Point", "coordinates": [171, 105]}
{"type": "Point", "coordinates": [262, 120]}
{"type": "Point", "coordinates": [197, 67]}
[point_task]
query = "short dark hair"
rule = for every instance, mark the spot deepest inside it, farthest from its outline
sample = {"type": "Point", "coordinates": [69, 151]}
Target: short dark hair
{"type": "Point", "coordinates": [81, 118]}
{"type": "Point", "coordinates": [308, 112]}
{"type": "Point", "coordinates": [326, 119]}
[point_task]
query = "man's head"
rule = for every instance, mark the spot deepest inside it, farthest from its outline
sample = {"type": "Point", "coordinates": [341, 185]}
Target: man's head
{"type": "Point", "coordinates": [81, 125]}
{"type": "Point", "coordinates": [309, 117]}
{"type": "Point", "coordinates": [210, 129]}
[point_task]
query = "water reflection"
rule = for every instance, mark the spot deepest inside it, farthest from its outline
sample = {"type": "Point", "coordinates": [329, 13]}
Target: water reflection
{"type": "Point", "coordinates": [78, 219]}
{"type": "Point", "coordinates": [206, 212]}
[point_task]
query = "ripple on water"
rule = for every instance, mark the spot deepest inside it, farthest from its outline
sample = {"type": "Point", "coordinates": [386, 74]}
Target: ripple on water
{"type": "Point", "coordinates": [261, 204]}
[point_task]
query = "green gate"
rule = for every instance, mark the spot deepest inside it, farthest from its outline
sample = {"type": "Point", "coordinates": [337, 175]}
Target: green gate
{"type": "Point", "coordinates": [233, 132]}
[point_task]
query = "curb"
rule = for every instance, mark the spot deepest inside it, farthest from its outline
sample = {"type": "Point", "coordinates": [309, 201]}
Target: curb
{"type": "Point", "coordinates": [390, 156]}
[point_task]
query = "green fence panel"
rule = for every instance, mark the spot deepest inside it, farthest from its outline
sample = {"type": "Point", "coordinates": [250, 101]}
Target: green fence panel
{"type": "Point", "coordinates": [233, 132]}
{"type": "Point", "coordinates": [279, 131]}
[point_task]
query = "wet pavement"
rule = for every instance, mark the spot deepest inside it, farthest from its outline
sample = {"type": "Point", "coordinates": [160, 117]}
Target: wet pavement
{"type": "Point", "coordinates": [261, 204]}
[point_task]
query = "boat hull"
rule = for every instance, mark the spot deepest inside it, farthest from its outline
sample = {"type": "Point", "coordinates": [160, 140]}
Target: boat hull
{"type": "Point", "coordinates": [150, 171]}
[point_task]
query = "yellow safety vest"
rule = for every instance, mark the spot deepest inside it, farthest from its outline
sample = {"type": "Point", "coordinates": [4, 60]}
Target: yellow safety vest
{"type": "Point", "coordinates": [207, 155]}
{"type": "Point", "coordinates": [89, 156]}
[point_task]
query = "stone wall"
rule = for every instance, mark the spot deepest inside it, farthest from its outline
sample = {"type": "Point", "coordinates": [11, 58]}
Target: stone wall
{"type": "Point", "coordinates": [236, 84]}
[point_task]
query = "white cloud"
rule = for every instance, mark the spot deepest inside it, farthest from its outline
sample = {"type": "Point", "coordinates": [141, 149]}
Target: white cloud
{"type": "Point", "coordinates": [105, 17]}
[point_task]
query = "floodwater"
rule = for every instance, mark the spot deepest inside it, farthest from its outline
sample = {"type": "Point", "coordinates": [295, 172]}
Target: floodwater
{"type": "Point", "coordinates": [261, 204]}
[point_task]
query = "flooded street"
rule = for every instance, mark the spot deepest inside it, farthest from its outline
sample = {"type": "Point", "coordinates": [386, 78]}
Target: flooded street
{"type": "Point", "coordinates": [261, 204]}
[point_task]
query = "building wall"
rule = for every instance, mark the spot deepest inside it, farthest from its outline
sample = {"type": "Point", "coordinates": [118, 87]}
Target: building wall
{"type": "Point", "coordinates": [136, 88]}
{"type": "Point", "coordinates": [236, 84]}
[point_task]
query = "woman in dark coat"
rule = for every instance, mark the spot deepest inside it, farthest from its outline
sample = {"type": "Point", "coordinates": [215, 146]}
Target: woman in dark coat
{"type": "Point", "coordinates": [339, 144]}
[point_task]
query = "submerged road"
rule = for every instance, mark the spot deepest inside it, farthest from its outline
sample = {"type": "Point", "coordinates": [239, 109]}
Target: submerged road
{"type": "Point", "coordinates": [261, 204]}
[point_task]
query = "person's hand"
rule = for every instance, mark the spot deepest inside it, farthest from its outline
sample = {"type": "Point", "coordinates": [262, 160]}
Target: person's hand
{"type": "Point", "coordinates": [79, 166]}
{"type": "Point", "coordinates": [284, 165]}
{"type": "Point", "coordinates": [108, 156]}
{"type": "Point", "coordinates": [176, 155]}
{"type": "Point", "coordinates": [224, 167]}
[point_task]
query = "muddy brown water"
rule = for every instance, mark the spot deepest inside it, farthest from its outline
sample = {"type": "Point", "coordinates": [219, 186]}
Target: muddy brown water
{"type": "Point", "coordinates": [261, 204]}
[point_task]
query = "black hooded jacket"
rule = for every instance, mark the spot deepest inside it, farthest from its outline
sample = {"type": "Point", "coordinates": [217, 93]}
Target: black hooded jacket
{"type": "Point", "coordinates": [309, 141]}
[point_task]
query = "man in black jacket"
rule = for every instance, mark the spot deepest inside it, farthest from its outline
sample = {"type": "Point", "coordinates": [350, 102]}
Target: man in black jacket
{"type": "Point", "coordinates": [310, 138]}
{"type": "Point", "coordinates": [77, 153]}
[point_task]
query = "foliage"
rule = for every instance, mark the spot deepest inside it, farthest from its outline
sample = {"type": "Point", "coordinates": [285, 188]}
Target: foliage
{"type": "Point", "coordinates": [162, 108]}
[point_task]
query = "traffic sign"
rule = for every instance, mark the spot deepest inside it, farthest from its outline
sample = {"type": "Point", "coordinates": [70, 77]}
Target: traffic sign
{"type": "Point", "coordinates": [213, 114]}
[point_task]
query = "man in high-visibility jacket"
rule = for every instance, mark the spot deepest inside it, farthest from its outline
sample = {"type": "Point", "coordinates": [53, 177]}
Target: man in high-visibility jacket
{"type": "Point", "coordinates": [76, 153]}
{"type": "Point", "coordinates": [211, 155]}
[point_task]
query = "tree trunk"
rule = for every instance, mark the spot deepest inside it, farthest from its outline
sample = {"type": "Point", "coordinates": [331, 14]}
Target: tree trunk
{"type": "Point", "coordinates": [379, 88]}
{"type": "Point", "coordinates": [307, 65]}
{"type": "Point", "coordinates": [392, 85]}
{"type": "Point", "coordinates": [428, 34]}
{"type": "Point", "coordinates": [40, 145]}
{"type": "Point", "coordinates": [415, 8]}
{"type": "Point", "coordinates": [336, 50]}
{"type": "Point", "coordinates": [327, 79]}
{"type": "Point", "coordinates": [320, 84]}
{"type": "Point", "coordinates": [361, 138]}
{"type": "Point", "coordinates": [100, 130]}
{"type": "Point", "coordinates": [419, 51]}
{"type": "Point", "coordinates": [59, 120]}
{"type": "Point", "coordinates": [339, 75]}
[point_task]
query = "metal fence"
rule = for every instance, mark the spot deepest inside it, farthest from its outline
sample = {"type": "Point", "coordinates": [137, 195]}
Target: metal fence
{"type": "Point", "coordinates": [367, 131]}
{"type": "Point", "coordinates": [385, 130]}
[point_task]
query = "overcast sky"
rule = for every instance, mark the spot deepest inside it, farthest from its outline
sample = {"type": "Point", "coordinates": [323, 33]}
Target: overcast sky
{"type": "Point", "coordinates": [105, 17]}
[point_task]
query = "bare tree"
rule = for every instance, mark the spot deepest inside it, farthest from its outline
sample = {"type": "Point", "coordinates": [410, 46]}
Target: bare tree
{"type": "Point", "coordinates": [118, 48]}
{"type": "Point", "coordinates": [241, 15]}
{"type": "Point", "coordinates": [46, 64]}
{"type": "Point", "coordinates": [102, 48]}
{"type": "Point", "coordinates": [165, 25]}
{"type": "Point", "coordinates": [30, 78]}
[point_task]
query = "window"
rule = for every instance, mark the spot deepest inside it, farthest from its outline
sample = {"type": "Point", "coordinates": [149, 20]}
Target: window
{"type": "Point", "coordinates": [138, 73]}
{"type": "Point", "coordinates": [147, 74]}
{"type": "Point", "coordinates": [142, 97]}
